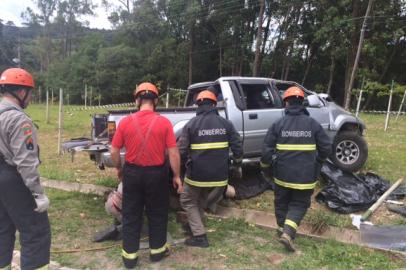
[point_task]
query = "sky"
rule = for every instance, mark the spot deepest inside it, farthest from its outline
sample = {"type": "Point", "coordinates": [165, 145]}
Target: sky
{"type": "Point", "coordinates": [10, 10]}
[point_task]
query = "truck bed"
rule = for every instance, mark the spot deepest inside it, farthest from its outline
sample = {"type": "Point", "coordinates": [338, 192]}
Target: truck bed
{"type": "Point", "coordinates": [178, 116]}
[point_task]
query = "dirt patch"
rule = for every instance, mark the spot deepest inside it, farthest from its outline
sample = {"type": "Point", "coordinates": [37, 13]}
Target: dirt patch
{"type": "Point", "coordinates": [383, 216]}
{"type": "Point", "coordinates": [276, 258]}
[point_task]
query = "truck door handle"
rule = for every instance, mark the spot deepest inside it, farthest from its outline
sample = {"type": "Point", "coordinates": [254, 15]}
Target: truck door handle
{"type": "Point", "coordinates": [253, 116]}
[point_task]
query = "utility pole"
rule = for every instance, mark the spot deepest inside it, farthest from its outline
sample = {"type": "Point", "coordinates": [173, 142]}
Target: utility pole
{"type": "Point", "coordinates": [257, 60]}
{"type": "Point", "coordinates": [355, 67]}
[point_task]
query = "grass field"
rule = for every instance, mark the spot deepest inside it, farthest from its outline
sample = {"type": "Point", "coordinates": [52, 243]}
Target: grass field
{"type": "Point", "coordinates": [235, 244]}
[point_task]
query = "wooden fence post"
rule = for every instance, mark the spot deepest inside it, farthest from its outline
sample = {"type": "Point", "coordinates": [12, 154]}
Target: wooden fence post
{"type": "Point", "coordinates": [39, 95]}
{"type": "Point", "coordinates": [389, 105]}
{"type": "Point", "coordinates": [85, 96]}
{"type": "Point", "coordinates": [360, 97]}
{"type": "Point", "coordinates": [60, 121]}
{"type": "Point", "coordinates": [167, 99]}
{"type": "Point", "coordinates": [401, 105]}
{"type": "Point", "coordinates": [47, 108]}
{"type": "Point", "coordinates": [91, 96]}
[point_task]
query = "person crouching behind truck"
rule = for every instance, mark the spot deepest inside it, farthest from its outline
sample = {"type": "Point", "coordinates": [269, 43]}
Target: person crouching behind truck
{"type": "Point", "coordinates": [295, 146]}
{"type": "Point", "coordinates": [146, 136]}
{"type": "Point", "coordinates": [113, 207]}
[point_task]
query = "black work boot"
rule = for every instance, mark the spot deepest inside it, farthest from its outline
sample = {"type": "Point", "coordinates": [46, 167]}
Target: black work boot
{"type": "Point", "coordinates": [110, 233]}
{"type": "Point", "coordinates": [287, 241]}
{"type": "Point", "coordinates": [159, 256]}
{"type": "Point", "coordinates": [130, 264]}
{"type": "Point", "coordinates": [279, 231]}
{"type": "Point", "coordinates": [197, 241]}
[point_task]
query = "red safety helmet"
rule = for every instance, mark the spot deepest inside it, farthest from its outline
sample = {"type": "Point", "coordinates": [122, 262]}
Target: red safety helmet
{"type": "Point", "coordinates": [206, 94]}
{"type": "Point", "coordinates": [293, 91]}
{"type": "Point", "coordinates": [147, 88]}
{"type": "Point", "coordinates": [17, 76]}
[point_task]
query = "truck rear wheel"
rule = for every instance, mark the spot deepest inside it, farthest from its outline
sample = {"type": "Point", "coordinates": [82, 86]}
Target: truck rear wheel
{"type": "Point", "coordinates": [350, 151]}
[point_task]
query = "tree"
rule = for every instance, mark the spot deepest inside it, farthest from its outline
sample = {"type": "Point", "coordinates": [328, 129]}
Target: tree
{"type": "Point", "coordinates": [69, 13]}
{"type": "Point", "coordinates": [46, 13]}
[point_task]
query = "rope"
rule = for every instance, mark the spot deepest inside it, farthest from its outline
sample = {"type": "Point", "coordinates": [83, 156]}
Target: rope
{"type": "Point", "coordinates": [175, 243]}
{"type": "Point", "coordinates": [84, 249]}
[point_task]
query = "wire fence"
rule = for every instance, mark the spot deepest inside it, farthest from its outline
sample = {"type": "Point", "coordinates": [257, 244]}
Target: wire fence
{"type": "Point", "coordinates": [175, 97]}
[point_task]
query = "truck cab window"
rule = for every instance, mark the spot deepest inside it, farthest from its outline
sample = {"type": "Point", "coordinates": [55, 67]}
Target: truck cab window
{"type": "Point", "coordinates": [257, 96]}
{"type": "Point", "coordinates": [282, 87]}
{"type": "Point", "coordinates": [191, 98]}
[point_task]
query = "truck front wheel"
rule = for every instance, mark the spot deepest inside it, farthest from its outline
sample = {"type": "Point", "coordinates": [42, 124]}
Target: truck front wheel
{"type": "Point", "coordinates": [350, 151]}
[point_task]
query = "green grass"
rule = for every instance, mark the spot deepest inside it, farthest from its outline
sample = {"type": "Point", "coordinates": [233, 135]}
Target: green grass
{"type": "Point", "coordinates": [387, 150]}
{"type": "Point", "coordinates": [235, 244]}
{"type": "Point", "coordinates": [76, 124]}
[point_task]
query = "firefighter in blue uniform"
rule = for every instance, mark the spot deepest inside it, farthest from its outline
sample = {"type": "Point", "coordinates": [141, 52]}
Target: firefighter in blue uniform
{"type": "Point", "coordinates": [205, 143]}
{"type": "Point", "coordinates": [295, 147]}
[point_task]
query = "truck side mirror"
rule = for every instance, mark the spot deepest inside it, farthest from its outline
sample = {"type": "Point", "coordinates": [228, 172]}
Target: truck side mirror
{"type": "Point", "coordinates": [314, 101]}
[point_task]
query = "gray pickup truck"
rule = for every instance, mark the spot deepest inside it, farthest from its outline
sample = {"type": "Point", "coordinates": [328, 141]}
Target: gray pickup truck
{"type": "Point", "coordinates": [252, 105]}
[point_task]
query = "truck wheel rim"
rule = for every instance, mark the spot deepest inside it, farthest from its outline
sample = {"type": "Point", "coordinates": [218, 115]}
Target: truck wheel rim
{"type": "Point", "coordinates": [347, 152]}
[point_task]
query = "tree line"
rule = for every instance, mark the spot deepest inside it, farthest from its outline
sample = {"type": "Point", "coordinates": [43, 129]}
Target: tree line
{"type": "Point", "coordinates": [178, 42]}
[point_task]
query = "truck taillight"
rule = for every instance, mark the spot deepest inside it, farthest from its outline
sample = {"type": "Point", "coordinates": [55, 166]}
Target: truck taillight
{"type": "Point", "coordinates": [111, 129]}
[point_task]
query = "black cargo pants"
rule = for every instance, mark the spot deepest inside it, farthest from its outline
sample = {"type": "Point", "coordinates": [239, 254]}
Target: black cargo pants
{"type": "Point", "coordinates": [144, 187]}
{"type": "Point", "coordinates": [290, 207]}
{"type": "Point", "coordinates": [17, 213]}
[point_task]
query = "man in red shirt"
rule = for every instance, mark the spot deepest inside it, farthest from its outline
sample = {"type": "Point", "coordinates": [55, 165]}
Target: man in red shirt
{"type": "Point", "coordinates": [146, 136]}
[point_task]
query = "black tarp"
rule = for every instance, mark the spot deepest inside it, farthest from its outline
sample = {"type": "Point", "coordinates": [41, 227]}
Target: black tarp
{"type": "Point", "coordinates": [252, 184]}
{"type": "Point", "coordinates": [347, 192]}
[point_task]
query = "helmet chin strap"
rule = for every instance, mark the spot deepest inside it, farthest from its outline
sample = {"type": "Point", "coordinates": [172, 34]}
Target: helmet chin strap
{"type": "Point", "coordinates": [21, 101]}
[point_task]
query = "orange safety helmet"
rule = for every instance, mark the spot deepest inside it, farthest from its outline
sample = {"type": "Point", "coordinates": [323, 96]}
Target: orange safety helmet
{"type": "Point", "coordinates": [206, 94]}
{"type": "Point", "coordinates": [146, 87]}
{"type": "Point", "coordinates": [17, 76]}
{"type": "Point", "coordinates": [293, 91]}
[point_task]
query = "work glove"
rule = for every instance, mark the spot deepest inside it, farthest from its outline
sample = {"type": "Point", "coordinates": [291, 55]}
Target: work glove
{"type": "Point", "coordinates": [42, 202]}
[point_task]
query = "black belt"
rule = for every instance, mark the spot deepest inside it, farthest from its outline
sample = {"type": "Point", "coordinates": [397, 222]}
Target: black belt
{"type": "Point", "coordinates": [132, 165]}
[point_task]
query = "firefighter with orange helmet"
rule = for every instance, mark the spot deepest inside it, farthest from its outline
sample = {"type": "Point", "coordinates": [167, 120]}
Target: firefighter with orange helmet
{"type": "Point", "coordinates": [295, 146]}
{"type": "Point", "coordinates": [204, 146]}
{"type": "Point", "coordinates": [146, 136]}
{"type": "Point", "coordinates": [23, 203]}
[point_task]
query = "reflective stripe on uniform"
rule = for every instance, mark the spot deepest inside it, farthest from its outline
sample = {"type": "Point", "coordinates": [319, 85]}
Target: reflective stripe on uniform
{"type": "Point", "coordinates": [294, 185]}
{"type": "Point", "coordinates": [264, 165]}
{"type": "Point", "coordinates": [129, 256]}
{"type": "Point", "coordinates": [159, 250]}
{"type": "Point", "coordinates": [205, 146]}
{"type": "Point", "coordinates": [206, 183]}
{"type": "Point", "coordinates": [291, 223]}
{"type": "Point", "coordinates": [7, 267]}
{"type": "Point", "coordinates": [296, 147]}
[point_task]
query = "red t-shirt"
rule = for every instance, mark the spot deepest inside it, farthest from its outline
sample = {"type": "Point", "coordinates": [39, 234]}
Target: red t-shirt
{"type": "Point", "coordinates": [161, 137]}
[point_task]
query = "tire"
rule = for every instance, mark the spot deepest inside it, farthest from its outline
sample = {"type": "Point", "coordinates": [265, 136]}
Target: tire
{"type": "Point", "coordinates": [350, 151]}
